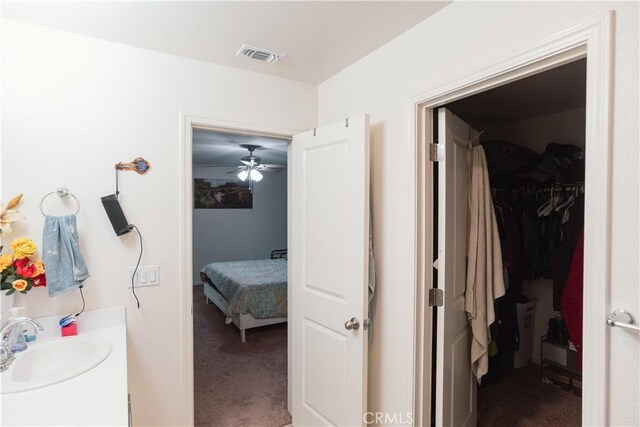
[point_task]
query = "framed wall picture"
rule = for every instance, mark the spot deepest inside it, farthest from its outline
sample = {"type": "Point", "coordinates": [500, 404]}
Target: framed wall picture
{"type": "Point", "coordinates": [221, 194]}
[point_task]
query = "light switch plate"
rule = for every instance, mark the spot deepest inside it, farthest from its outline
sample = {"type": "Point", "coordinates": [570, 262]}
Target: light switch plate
{"type": "Point", "coordinates": [142, 276]}
{"type": "Point", "coordinates": [147, 275]}
{"type": "Point", "coordinates": [153, 275]}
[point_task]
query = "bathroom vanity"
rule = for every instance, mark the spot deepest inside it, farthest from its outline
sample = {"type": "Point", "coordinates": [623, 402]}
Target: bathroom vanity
{"type": "Point", "coordinates": [78, 380]}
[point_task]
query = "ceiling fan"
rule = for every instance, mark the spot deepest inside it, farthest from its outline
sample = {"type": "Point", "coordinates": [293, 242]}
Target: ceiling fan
{"type": "Point", "coordinates": [252, 167]}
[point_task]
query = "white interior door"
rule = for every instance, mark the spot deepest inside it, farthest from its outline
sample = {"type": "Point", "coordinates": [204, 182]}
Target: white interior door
{"type": "Point", "coordinates": [329, 273]}
{"type": "Point", "coordinates": [455, 385]}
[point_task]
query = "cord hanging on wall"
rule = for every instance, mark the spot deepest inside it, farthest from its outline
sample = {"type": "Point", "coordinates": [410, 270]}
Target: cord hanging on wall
{"type": "Point", "coordinates": [116, 215]}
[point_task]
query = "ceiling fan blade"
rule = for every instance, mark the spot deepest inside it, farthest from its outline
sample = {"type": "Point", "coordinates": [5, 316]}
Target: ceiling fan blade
{"type": "Point", "coordinates": [274, 166]}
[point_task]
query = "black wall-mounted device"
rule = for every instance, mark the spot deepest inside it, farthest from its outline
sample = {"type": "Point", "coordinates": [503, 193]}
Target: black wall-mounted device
{"type": "Point", "coordinates": [116, 216]}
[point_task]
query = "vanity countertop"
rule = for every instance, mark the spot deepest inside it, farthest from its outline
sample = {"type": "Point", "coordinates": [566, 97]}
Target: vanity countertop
{"type": "Point", "coordinates": [97, 397]}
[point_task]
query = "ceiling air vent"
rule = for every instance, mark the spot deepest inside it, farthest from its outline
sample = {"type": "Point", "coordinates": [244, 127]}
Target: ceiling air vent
{"type": "Point", "coordinates": [260, 54]}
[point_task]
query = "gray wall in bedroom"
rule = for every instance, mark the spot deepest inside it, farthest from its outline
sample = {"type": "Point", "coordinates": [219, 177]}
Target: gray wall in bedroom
{"type": "Point", "coordinates": [241, 234]}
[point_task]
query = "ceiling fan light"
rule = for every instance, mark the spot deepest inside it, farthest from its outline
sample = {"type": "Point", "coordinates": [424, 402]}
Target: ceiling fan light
{"type": "Point", "coordinates": [243, 174]}
{"type": "Point", "coordinates": [256, 176]}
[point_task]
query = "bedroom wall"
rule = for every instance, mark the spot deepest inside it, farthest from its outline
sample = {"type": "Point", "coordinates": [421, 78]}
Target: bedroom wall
{"type": "Point", "coordinates": [462, 38]}
{"type": "Point", "coordinates": [72, 107]}
{"type": "Point", "coordinates": [241, 234]}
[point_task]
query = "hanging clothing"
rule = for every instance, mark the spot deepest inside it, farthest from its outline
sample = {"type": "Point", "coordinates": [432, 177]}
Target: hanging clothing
{"type": "Point", "coordinates": [372, 280]}
{"type": "Point", "coordinates": [571, 231]}
{"type": "Point", "coordinates": [485, 282]}
{"type": "Point", "coordinates": [509, 235]}
{"type": "Point", "coordinates": [572, 298]}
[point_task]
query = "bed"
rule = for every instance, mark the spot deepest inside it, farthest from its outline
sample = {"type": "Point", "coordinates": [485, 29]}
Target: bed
{"type": "Point", "coordinates": [250, 293]}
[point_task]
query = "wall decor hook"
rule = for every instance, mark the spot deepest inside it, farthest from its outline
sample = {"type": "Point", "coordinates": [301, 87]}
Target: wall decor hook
{"type": "Point", "coordinates": [139, 165]}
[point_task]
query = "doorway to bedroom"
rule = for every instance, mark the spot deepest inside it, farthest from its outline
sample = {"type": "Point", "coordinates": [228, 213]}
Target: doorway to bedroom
{"type": "Point", "coordinates": [240, 278]}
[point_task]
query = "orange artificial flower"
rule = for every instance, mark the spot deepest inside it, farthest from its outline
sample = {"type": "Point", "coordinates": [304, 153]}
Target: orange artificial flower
{"type": "Point", "coordinates": [39, 268]}
{"type": "Point", "coordinates": [19, 285]}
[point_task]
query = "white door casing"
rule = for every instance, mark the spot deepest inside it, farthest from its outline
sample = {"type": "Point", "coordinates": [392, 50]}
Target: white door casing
{"type": "Point", "coordinates": [329, 273]}
{"type": "Point", "coordinates": [593, 39]}
{"type": "Point", "coordinates": [455, 386]}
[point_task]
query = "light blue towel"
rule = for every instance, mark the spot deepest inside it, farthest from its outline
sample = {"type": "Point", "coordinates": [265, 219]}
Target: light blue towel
{"type": "Point", "coordinates": [63, 262]}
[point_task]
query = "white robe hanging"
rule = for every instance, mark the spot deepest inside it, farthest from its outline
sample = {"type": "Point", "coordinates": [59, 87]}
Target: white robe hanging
{"type": "Point", "coordinates": [485, 281]}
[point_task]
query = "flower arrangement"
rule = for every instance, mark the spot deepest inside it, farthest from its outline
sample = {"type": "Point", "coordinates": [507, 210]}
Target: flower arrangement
{"type": "Point", "coordinates": [20, 271]}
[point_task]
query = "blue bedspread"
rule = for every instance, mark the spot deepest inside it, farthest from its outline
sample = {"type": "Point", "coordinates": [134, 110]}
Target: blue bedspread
{"type": "Point", "coordinates": [256, 287]}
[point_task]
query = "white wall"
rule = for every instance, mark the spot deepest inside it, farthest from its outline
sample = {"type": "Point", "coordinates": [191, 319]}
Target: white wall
{"type": "Point", "coordinates": [462, 38]}
{"type": "Point", "coordinates": [241, 234]}
{"type": "Point", "coordinates": [565, 127]}
{"type": "Point", "coordinates": [72, 107]}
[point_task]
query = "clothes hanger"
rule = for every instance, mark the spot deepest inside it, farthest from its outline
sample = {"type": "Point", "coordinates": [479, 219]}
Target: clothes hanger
{"type": "Point", "coordinates": [471, 141]}
{"type": "Point", "coordinates": [566, 204]}
{"type": "Point", "coordinates": [549, 205]}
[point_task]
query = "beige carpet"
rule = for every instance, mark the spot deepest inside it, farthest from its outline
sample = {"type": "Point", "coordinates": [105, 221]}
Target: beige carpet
{"type": "Point", "coordinates": [238, 384]}
{"type": "Point", "coordinates": [521, 399]}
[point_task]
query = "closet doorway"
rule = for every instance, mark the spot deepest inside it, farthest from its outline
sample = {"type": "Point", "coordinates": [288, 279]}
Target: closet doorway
{"type": "Point", "coordinates": [443, 362]}
{"type": "Point", "coordinates": [532, 133]}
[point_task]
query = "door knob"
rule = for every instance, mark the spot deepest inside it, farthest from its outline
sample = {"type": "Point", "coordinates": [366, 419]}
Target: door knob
{"type": "Point", "coordinates": [352, 324]}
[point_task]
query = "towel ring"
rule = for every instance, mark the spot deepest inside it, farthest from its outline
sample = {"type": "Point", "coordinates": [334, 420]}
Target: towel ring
{"type": "Point", "coordinates": [62, 192]}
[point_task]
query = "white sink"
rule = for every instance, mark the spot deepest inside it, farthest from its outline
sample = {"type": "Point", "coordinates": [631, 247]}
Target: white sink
{"type": "Point", "coordinates": [51, 362]}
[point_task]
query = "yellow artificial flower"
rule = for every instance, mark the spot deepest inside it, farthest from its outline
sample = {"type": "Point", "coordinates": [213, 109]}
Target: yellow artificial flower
{"type": "Point", "coordinates": [19, 285]}
{"type": "Point", "coordinates": [14, 202]}
{"type": "Point", "coordinates": [39, 268]}
{"type": "Point", "coordinates": [5, 261]}
{"type": "Point", "coordinates": [23, 248]}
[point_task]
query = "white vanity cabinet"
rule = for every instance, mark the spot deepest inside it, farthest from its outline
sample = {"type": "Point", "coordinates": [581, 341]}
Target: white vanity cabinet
{"type": "Point", "coordinates": [95, 394]}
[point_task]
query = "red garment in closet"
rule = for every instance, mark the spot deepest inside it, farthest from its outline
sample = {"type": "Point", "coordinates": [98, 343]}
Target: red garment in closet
{"type": "Point", "coordinates": [572, 298]}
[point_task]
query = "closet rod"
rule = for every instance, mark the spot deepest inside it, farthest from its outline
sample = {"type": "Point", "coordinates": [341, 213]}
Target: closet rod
{"type": "Point", "coordinates": [562, 188]}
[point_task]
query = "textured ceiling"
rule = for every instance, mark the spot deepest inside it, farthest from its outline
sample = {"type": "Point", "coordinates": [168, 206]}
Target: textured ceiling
{"type": "Point", "coordinates": [319, 38]}
{"type": "Point", "coordinates": [223, 149]}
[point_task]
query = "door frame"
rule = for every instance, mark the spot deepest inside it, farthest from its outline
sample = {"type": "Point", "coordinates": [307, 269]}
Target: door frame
{"type": "Point", "coordinates": [592, 39]}
{"type": "Point", "coordinates": [185, 339]}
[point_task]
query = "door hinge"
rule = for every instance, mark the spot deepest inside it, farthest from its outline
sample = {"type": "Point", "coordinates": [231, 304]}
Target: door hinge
{"type": "Point", "coordinates": [130, 413]}
{"type": "Point", "coordinates": [436, 297]}
{"type": "Point", "coordinates": [435, 152]}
